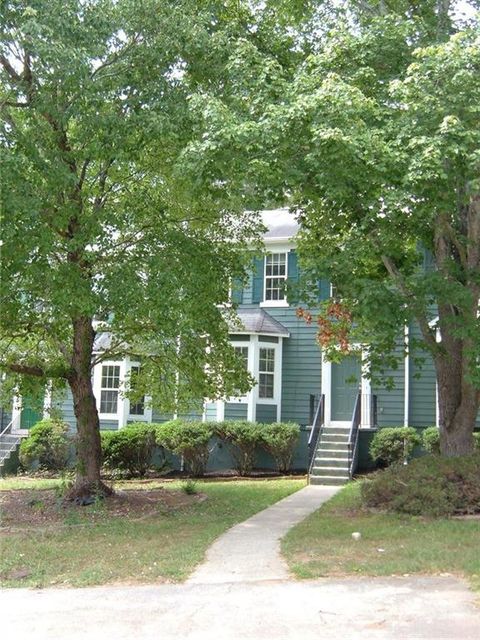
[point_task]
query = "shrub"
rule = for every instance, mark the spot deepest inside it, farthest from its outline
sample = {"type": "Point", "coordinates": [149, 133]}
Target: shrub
{"type": "Point", "coordinates": [393, 444]}
{"type": "Point", "coordinates": [279, 440]}
{"type": "Point", "coordinates": [431, 440]}
{"type": "Point", "coordinates": [48, 444]}
{"type": "Point", "coordinates": [242, 438]}
{"type": "Point", "coordinates": [189, 439]}
{"type": "Point", "coordinates": [129, 449]}
{"type": "Point", "coordinates": [430, 485]}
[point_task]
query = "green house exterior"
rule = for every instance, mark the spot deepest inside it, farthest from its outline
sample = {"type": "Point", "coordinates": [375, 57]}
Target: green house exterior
{"type": "Point", "coordinates": [281, 352]}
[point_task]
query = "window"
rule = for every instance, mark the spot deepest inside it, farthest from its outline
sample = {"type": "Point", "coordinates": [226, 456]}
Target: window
{"type": "Point", "coordinates": [137, 408]}
{"type": "Point", "coordinates": [275, 276]}
{"type": "Point", "coordinates": [110, 384]}
{"type": "Point", "coordinates": [266, 372]}
{"type": "Point", "coordinates": [242, 353]}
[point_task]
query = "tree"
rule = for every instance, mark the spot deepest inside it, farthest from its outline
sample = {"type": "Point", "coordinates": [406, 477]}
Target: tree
{"type": "Point", "coordinates": [374, 138]}
{"type": "Point", "coordinates": [103, 236]}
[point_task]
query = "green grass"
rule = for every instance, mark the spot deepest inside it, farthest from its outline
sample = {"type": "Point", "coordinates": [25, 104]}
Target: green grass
{"type": "Point", "coordinates": [322, 545]}
{"type": "Point", "coordinates": [18, 482]}
{"type": "Point", "coordinates": [159, 548]}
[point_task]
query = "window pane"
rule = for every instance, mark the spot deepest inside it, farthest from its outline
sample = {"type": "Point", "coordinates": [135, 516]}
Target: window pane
{"type": "Point", "coordinates": [137, 408]}
{"type": "Point", "coordinates": [110, 377]}
{"type": "Point", "coordinates": [265, 386]}
{"type": "Point", "coordinates": [242, 352]}
{"type": "Point", "coordinates": [108, 401]}
{"type": "Point", "coordinates": [275, 276]}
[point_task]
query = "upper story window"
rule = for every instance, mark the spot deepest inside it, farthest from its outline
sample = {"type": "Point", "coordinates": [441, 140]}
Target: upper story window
{"type": "Point", "coordinates": [109, 388]}
{"type": "Point", "coordinates": [275, 276]}
{"type": "Point", "coordinates": [266, 372]}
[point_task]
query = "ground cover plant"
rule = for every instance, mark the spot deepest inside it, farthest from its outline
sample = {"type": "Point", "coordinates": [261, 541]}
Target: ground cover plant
{"type": "Point", "coordinates": [429, 486]}
{"type": "Point", "coordinates": [162, 539]}
{"type": "Point", "coordinates": [390, 544]}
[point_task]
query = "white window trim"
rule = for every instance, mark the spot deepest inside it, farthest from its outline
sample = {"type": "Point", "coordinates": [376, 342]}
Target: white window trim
{"type": "Point", "coordinates": [122, 416]}
{"type": "Point", "coordinates": [251, 399]}
{"type": "Point", "coordinates": [365, 388]}
{"type": "Point", "coordinates": [275, 247]}
{"type": "Point", "coordinates": [241, 399]}
{"type": "Point", "coordinates": [147, 402]}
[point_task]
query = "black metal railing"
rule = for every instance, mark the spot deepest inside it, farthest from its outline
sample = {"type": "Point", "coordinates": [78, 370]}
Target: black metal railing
{"type": "Point", "coordinates": [317, 420]}
{"type": "Point", "coordinates": [353, 437]}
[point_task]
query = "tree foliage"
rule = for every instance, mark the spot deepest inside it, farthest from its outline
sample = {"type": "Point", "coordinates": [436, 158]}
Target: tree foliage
{"type": "Point", "coordinates": [373, 137]}
{"type": "Point", "coordinates": [102, 230]}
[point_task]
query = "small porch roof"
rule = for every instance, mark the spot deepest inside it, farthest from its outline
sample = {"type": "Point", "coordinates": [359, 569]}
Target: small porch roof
{"type": "Point", "coordinates": [258, 321]}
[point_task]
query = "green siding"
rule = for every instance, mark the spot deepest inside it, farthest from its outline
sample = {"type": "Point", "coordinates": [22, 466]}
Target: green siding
{"type": "Point", "coordinates": [422, 409]}
{"type": "Point", "coordinates": [235, 411]}
{"type": "Point", "coordinates": [391, 402]}
{"type": "Point", "coordinates": [301, 369]}
{"type": "Point", "coordinates": [210, 411]}
{"type": "Point", "coordinates": [266, 413]}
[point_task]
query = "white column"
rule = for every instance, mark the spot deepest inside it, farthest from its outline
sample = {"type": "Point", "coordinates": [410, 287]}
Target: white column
{"type": "Point", "coordinates": [327, 387]}
{"type": "Point", "coordinates": [366, 395]}
{"type": "Point", "coordinates": [406, 364]}
{"type": "Point", "coordinates": [253, 357]}
{"type": "Point", "coordinates": [123, 404]}
{"type": "Point", "coordinates": [278, 377]}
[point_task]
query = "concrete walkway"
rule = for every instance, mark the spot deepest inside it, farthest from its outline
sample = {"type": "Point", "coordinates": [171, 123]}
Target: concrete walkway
{"type": "Point", "coordinates": [250, 551]}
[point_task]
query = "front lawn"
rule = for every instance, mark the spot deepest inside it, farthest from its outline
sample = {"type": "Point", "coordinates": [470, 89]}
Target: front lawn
{"type": "Point", "coordinates": [91, 545]}
{"type": "Point", "coordinates": [322, 545]}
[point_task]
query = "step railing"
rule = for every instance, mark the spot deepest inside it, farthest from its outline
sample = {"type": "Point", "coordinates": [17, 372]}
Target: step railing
{"type": "Point", "coordinates": [11, 426]}
{"type": "Point", "coordinates": [364, 414]}
{"type": "Point", "coordinates": [317, 424]}
{"type": "Point", "coordinates": [353, 436]}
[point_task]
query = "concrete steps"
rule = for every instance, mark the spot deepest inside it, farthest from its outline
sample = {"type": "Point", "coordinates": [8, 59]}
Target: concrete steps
{"type": "Point", "coordinates": [8, 444]}
{"type": "Point", "coordinates": [331, 463]}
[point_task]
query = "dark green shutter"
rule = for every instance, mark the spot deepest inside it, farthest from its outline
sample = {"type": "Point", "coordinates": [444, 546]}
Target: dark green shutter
{"type": "Point", "coordinates": [323, 290]}
{"type": "Point", "coordinates": [237, 291]}
{"type": "Point", "coordinates": [257, 284]}
{"type": "Point", "coordinates": [292, 267]}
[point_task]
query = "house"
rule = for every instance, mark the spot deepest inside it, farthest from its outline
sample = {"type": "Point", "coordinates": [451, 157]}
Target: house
{"type": "Point", "coordinates": [295, 382]}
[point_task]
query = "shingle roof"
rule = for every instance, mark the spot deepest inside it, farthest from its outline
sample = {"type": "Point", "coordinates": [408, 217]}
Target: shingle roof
{"type": "Point", "coordinates": [258, 321]}
{"type": "Point", "coordinates": [281, 224]}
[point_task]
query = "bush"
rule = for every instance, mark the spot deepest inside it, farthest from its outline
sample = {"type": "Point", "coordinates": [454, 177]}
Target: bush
{"type": "Point", "coordinates": [129, 449]}
{"type": "Point", "coordinates": [189, 439]}
{"type": "Point", "coordinates": [393, 444]}
{"type": "Point", "coordinates": [242, 438]}
{"type": "Point", "coordinates": [279, 440]}
{"type": "Point", "coordinates": [48, 444]}
{"type": "Point", "coordinates": [429, 486]}
{"type": "Point", "coordinates": [431, 440]}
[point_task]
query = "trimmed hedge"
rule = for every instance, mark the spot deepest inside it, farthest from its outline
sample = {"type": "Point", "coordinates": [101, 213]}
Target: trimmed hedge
{"type": "Point", "coordinates": [129, 449]}
{"type": "Point", "coordinates": [242, 438]}
{"type": "Point", "coordinates": [48, 444]}
{"type": "Point", "coordinates": [279, 440]}
{"type": "Point", "coordinates": [429, 486]}
{"type": "Point", "coordinates": [189, 439]}
{"type": "Point", "coordinates": [393, 444]}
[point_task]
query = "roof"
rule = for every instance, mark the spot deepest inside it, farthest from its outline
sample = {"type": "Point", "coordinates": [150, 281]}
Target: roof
{"type": "Point", "coordinates": [281, 224]}
{"type": "Point", "coordinates": [258, 321]}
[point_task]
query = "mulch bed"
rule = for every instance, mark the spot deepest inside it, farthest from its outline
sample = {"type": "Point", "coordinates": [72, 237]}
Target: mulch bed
{"type": "Point", "coordinates": [26, 508]}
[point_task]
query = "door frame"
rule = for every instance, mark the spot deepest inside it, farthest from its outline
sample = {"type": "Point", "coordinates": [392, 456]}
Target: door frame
{"type": "Point", "coordinates": [365, 388]}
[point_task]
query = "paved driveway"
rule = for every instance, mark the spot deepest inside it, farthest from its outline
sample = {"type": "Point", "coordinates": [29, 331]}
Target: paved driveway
{"type": "Point", "coordinates": [322, 609]}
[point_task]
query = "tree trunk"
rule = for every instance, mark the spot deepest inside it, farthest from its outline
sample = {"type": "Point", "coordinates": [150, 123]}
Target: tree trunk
{"type": "Point", "coordinates": [89, 451]}
{"type": "Point", "coordinates": [458, 405]}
